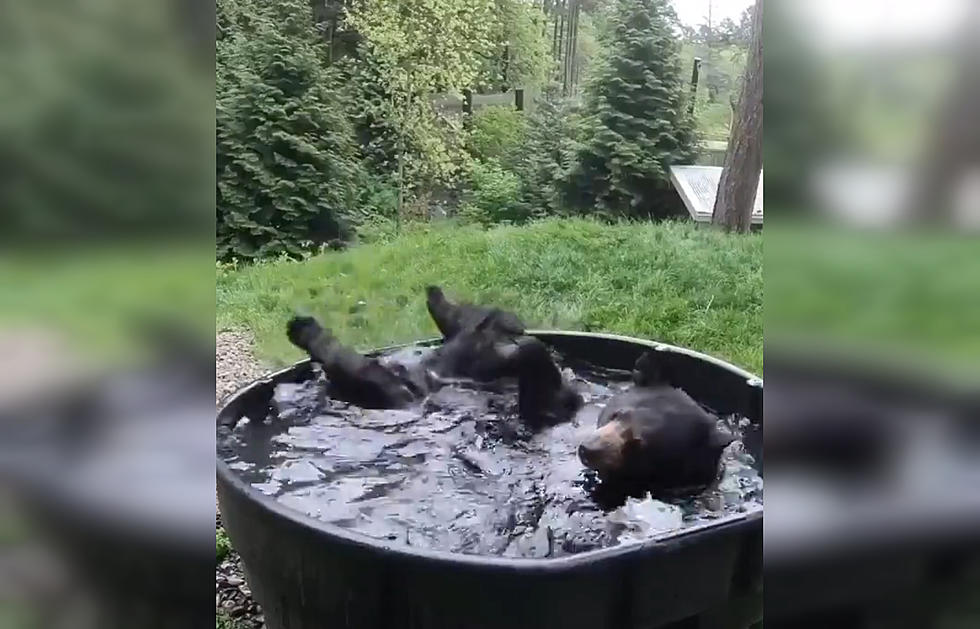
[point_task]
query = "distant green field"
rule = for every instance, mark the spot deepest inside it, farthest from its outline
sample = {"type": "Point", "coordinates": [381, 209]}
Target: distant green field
{"type": "Point", "coordinates": [675, 282]}
{"type": "Point", "coordinates": [714, 117]}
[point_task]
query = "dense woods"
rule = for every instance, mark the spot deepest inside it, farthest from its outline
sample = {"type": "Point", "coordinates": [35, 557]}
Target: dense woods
{"type": "Point", "coordinates": [339, 119]}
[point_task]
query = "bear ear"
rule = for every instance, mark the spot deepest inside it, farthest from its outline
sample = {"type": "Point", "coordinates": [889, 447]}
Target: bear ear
{"type": "Point", "coordinates": [648, 370]}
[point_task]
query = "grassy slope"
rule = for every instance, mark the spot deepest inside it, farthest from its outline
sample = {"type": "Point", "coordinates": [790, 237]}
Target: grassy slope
{"type": "Point", "coordinates": [673, 282]}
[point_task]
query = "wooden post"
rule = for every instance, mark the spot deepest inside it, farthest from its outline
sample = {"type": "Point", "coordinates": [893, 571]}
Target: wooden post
{"type": "Point", "coordinates": [506, 68]}
{"type": "Point", "coordinates": [519, 99]}
{"type": "Point", "coordinates": [467, 102]}
{"type": "Point", "coordinates": [695, 77]}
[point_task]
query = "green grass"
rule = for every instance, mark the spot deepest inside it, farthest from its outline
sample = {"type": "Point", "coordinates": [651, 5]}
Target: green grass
{"type": "Point", "coordinates": [674, 282]}
{"type": "Point", "coordinates": [902, 292]}
{"type": "Point", "coordinates": [95, 298]}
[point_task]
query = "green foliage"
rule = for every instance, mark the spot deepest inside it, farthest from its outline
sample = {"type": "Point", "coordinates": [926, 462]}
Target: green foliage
{"type": "Point", "coordinates": [222, 544]}
{"type": "Point", "coordinates": [722, 68]}
{"type": "Point", "coordinates": [497, 133]}
{"type": "Point", "coordinates": [521, 54]}
{"type": "Point", "coordinates": [588, 49]}
{"type": "Point", "coordinates": [415, 49]}
{"type": "Point", "coordinates": [376, 134]}
{"type": "Point", "coordinates": [547, 156]}
{"type": "Point", "coordinates": [424, 46]}
{"type": "Point", "coordinates": [378, 199]}
{"type": "Point", "coordinates": [493, 197]}
{"type": "Point", "coordinates": [223, 621]}
{"type": "Point", "coordinates": [673, 282]}
{"type": "Point", "coordinates": [637, 121]}
{"type": "Point", "coordinates": [286, 157]}
{"type": "Point", "coordinates": [714, 120]}
{"type": "Point", "coordinates": [377, 229]}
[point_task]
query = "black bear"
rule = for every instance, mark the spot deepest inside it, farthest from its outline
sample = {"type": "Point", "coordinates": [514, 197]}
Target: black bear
{"type": "Point", "coordinates": [481, 350]}
{"type": "Point", "coordinates": [543, 397]}
{"type": "Point", "coordinates": [655, 435]}
{"type": "Point", "coordinates": [451, 319]}
{"type": "Point", "coordinates": [358, 379]}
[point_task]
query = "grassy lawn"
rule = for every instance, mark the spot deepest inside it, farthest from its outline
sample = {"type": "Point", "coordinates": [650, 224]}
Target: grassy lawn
{"type": "Point", "coordinates": [673, 282]}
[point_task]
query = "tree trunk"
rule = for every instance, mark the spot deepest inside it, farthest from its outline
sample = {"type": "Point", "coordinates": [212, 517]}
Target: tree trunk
{"type": "Point", "coordinates": [572, 45]}
{"type": "Point", "coordinates": [399, 208]}
{"type": "Point", "coordinates": [401, 187]}
{"type": "Point", "coordinates": [954, 146]}
{"type": "Point", "coordinates": [570, 10]}
{"type": "Point", "coordinates": [743, 160]}
{"type": "Point", "coordinates": [554, 37]}
{"type": "Point", "coordinates": [561, 32]}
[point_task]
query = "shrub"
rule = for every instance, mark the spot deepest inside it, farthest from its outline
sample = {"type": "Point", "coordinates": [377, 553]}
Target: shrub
{"type": "Point", "coordinates": [378, 198]}
{"type": "Point", "coordinates": [494, 196]}
{"type": "Point", "coordinates": [222, 545]}
{"type": "Point", "coordinates": [377, 229]}
{"type": "Point", "coordinates": [497, 133]}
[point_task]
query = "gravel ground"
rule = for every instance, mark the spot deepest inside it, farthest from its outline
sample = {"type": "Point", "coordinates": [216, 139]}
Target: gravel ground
{"type": "Point", "coordinates": [234, 366]}
{"type": "Point", "coordinates": [234, 363]}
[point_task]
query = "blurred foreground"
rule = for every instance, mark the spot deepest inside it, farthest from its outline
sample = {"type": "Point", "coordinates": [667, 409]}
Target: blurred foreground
{"type": "Point", "coordinates": [872, 303]}
{"type": "Point", "coordinates": [106, 314]}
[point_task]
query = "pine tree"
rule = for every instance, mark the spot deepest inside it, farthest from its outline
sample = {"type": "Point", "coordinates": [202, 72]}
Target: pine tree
{"type": "Point", "coordinates": [286, 157]}
{"type": "Point", "coordinates": [637, 121]}
{"type": "Point", "coordinates": [547, 156]}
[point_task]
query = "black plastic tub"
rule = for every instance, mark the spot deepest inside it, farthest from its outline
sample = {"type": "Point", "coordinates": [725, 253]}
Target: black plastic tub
{"type": "Point", "coordinates": [307, 574]}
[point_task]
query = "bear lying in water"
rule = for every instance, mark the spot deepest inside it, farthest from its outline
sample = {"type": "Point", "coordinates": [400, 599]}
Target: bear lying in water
{"type": "Point", "coordinates": [655, 436]}
{"type": "Point", "coordinates": [481, 349]}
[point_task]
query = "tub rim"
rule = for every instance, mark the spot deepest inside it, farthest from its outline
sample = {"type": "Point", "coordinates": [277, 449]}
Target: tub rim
{"type": "Point", "coordinates": [662, 543]}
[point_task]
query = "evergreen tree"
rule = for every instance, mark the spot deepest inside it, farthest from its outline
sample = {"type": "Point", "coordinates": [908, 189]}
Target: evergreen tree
{"type": "Point", "coordinates": [637, 121]}
{"type": "Point", "coordinates": [548, 155]}
{"type": "Point", "coordinates": [286, 157]}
